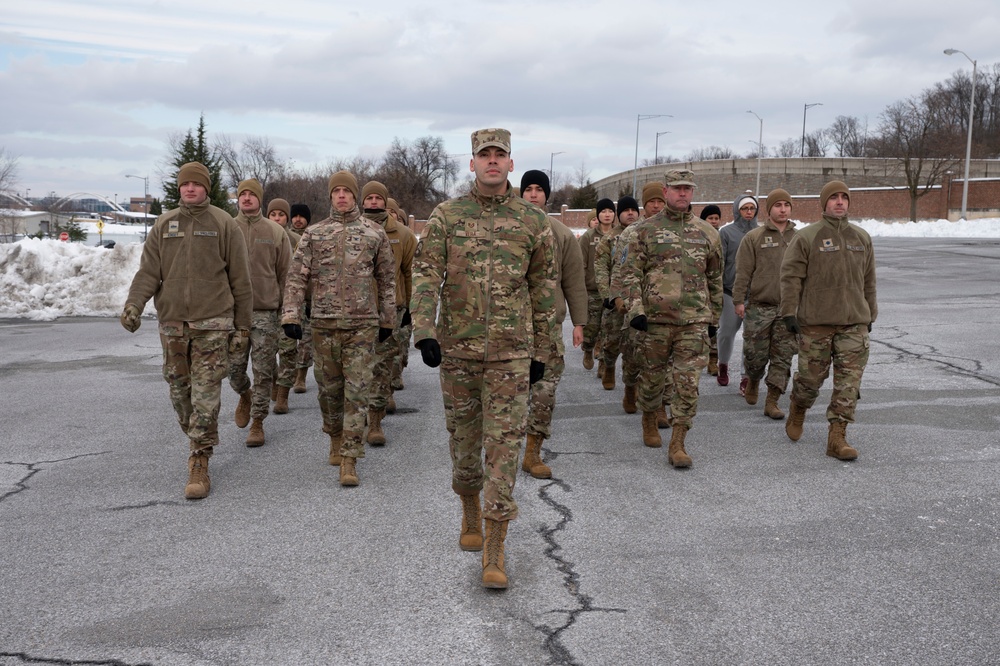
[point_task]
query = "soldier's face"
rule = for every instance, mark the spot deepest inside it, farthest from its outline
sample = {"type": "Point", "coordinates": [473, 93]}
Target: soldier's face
{"type": "Point", "coordinates": [342, 199]}
{"type": "Point", "coordinates": [678, 197]}
{"type": "Point", "coordinates": [534, 194]}
{"type": "Point", "coordinates": [299, 222]}
{"type": "Point", "coordinates": [374, 201]}
{"type": "Point", "coordinates": [780, 212]}
{"type": "Point", "coordinates": [747, 211]}
{"type": "Point", "coordinates": [606, 216]}
{"type": "Point", "coordinates": [279, 217]}
{"type": "Point", "coordinates": [628, 216]}
{"type": "Point", "coordinates": [491, 166]}
{"type": "Point", "coordinates": [654, 206]}
{"type": "Point", "coordinates": [193, 193]}
{"type": "Point", "coordinates": [249, 203]}
{"type": "Point", "coordinates": [837, 204]}
{"type": "Point", "coordinates": [714, 220]}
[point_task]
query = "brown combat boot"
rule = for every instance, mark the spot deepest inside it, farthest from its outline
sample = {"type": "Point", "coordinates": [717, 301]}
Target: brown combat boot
{"type": "Point", "coordinates": [588, 359]}
{"type": "Point", "coordinates": [771, 404]}
{"type": "Point", "coordinates": [494, 575]}
{"type": "Point", "coordinates": [713, 363]}
{"type": "Point", "coordinates": [375, 435]}
{"type": "Point", "coordinates": [335, 443]}
{"type": "Point", "coordinates": [608, 379]}
{"type": "Point", "coordinates": [600, 369]}
{"type": "Point", "coordinates": [274, 391]}
{"type": "Point", "coordinates": [796, 417]}
{"type": "Point", "coordinates": [836, 446]}
{"type": "Point", "coordinates": [281, 404]}
{"type": "Point", "coordinates": [390, 406]}
{"type": "Point", "coordinates": [752, 390]}
{"type": "Point", "coordinates": [300, 380]}
{"type": "Point", "coordinates": [532, 463]}
{"type": "Point", "coordinates": [243, 408]}
{"type": "Point", "coordinates": [676, 455]}
{"type": "Point", "coordinates": [255, 437]}
{"type": "Point", "coordinates": [198, 483]}
{"type": "Point", "coordinates": [348, 471]}
{"type": "Point", "coordinates": [471, 538]}
{"type": "Point", "coordinates": [650, 433]}
{"type": "Point", "coordinates": [662, 420]}
{"type": "Point", "coordinates": [628, 402]}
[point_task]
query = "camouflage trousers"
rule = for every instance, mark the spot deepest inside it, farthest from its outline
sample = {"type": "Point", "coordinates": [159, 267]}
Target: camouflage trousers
{"type": "Point", "coordinates": [611, 335]}
{"type": "Point", "coordinates": [343, 372]}
{"type": "Point", "coordinates": [304, 346]}
{"type": "Point", "coordinates": [260, 353]}
{"type": "Point", "coordinates": [385, 354]}
{"type": "Point", "coordinates": [542, 399]}
{"type": "Point", "coordinates": [767, 344]}
{"type": "Point", "coordinates": [682, 353]}
{"type": "Point", "coordinates": [287, 351]}
{"type": "Point", "coordinates": [194, 364]}
{"type": "Point", "coordinates": [846, 348]}
{"type": "Point", "coordinates": [633, 347]}
{"type": "Point", "coordinates": [485, 406]}
{"type": "Point", "coordinates": [402, 335]}
{"type": "Point", "coordinates": [592, 329]}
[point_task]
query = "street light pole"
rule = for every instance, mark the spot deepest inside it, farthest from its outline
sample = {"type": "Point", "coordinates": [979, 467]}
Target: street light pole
{"type": "Point", "coordinates": [638, 119]}
{"type": "Point", "coordinates": [656, 149]}
{"type": "Point", "coordinates": [968, 142]}
{"type": "Point", "coordinates": [805, 108]}
{"type": "Point", "coordinates": [552, 175]}
{"type": "Point", "coordinates": [145, 204]}
{"type": "Point", "coordinates": [760, 151]}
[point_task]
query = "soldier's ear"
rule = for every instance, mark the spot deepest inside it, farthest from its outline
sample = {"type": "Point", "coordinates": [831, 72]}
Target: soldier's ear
{"type": "Point", "coordinates": [472, 166]}
{"type": "Point", "coordinates": [511, 169]}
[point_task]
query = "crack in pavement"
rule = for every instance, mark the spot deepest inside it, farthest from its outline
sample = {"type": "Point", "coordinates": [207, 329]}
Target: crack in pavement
{"type": "Point", "coordinates": [146, 505]}
{"type": "Point", "coordinates": [34, 468]}
{"type": "Point", "coordinates": [558, 652]}
{"type": "Point", "coordinates": [941, 359]}
{"type": "Point", "coordinates": [28, 659]}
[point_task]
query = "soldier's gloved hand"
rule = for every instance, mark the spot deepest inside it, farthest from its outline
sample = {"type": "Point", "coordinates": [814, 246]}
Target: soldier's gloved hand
{"type": "Point", "coordinates": [238, 341]}
{"type": "Point", "coordinates": [536, 371]}
{"type": "Point", "coordinates": [792, 324]}
{"type": "Point", "coordinates": [131, 318]}
{"type": "Point", "coordinates": [384, 334]}
{"type": "Point", "coordinates": [869, 327]}
{"type": "Point", "coordinates": [609, 304]}
{"type": "Point", "coordinates": [430, 351]}
{"type": "Point", "coordinates": [293, 331]}
{"type": "Point", "coordinates": [639, 323]}
{"type": "Point", "coordinates": [712, 331]}
{"type": "Point", "coordinates": [406, 320]}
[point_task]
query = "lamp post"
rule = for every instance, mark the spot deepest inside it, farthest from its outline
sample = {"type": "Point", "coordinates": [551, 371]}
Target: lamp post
{"type": "Point", "coordinates": [968, 143]}
{"type": "Point", "coordinates": [656, 149]}
{"type": "Point", "coordinates": [806, 107]}
{"type": "Point", "coordinates": [760, 151]}
{"type": "Point", "coordinates": [552, 175]}
{"type": "Point", "coordinates": [145, 203]}
{"type": "Point", "coordinates": [639, 118]}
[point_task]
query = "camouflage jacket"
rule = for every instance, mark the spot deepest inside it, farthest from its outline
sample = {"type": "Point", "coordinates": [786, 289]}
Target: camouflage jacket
{"type": "Point", "coordinates": [490, 261]}
{"type": "Point", "coordinates": [615, 287]}
{"type": "Point", "coordinates": [828, 275]}
{"type": "Point", "coordinates": [403, 244]}
{"type": "Point", "coordinates": [603, 259]}
{"type": "Point", "coordinates": [758, 264]}
{"type": "Point", "coordinates": [672, 270]}
{"type": "Point", "coordinates": [270, 253]}
{"type": "Point", "coordinates": [588, 245]}
{"type": "Point", "coordinates": [347, 265]}
{"type": "Point", "coordinates": [194, 266]}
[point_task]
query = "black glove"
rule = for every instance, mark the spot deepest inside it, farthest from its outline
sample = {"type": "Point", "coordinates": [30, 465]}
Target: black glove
{"type": "Point", "coordinates": [792, 324]}
{"type": "Point", "coordinates": [536, 371]}
{"type": "Point", "coordinates": [639, 323]}
{"type": "Point", "coordinates": [869, 327]}
{"type": "Point", "coordinates": [384, 334]}
{"type": "Point", "coordinates": [609, 304]}
{"type": "Point", "coordinates": [293, 331]}
{"type": "Point", "coordinates": [712, 331]}
{"type": "Point", "coordinates": [406, 321]}
{"type": "Point", "coordinates": [430, 351]}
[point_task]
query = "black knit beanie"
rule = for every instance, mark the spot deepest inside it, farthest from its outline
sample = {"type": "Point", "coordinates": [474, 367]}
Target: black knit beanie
{"type": "Point", "coordinates": [605, 203]}
{"type": "Point", "coordinates": [710, 209]}
{"type": "Point", "coordinates": [627, 203]}
{"type": "Point", "coordinates": [301, 210]}
{"type": "Point", "coordinates": [536, 177]}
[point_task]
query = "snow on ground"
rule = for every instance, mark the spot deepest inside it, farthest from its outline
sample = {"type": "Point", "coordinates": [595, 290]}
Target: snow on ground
{"type": "Point", "coordinates": [47, 279]}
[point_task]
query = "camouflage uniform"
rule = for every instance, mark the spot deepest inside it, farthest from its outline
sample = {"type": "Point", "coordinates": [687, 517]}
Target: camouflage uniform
{"type": "Point", "coordinates": [766, 339]}
{"type": "Point", "coordinates": [346, 264]}
{"type": "Point", "coordinates": [287, 347]}
{"type": "Point", "coordinates": [672, 274]}
{"type": "Point", "coordinates": [595, 304]}
{"type": "Point", "coordinates": [490, 262]}
{"type": "Point", "coordinates": [611, 320]}
{"type": "Point", "coordinates": [632, 341]}
{"type": "Point", "coordinates": [828, 284]}
{"type": "Point", "coordinates": [195, 267]}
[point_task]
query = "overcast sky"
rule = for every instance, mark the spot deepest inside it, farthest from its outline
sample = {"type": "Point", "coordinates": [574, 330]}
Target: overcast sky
{"type": "Point", "coordinates": [90, 91]}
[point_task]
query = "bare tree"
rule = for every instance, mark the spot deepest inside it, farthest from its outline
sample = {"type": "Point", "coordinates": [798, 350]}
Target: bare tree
{"type": "Point", "coordinates": [711, 153]}
{"type": "Point", "coordinates": [255, 158]}
{"type": "Point", "coordinates": [417, 174]}
{"type": "Point", "coordinates": [848, 135]}
{"type": "Point", "coordinates": [788, 148]}
{"type": "Point", "coordinates": [8, 179]}
{"type": "Point", "coordinates": [817, 143]}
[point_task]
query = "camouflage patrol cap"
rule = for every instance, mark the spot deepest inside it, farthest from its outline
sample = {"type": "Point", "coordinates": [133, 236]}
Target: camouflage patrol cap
{"type": "Point", "coordinates": [493, 136]}
{"type": "Point", "coordinates": [679, 177]}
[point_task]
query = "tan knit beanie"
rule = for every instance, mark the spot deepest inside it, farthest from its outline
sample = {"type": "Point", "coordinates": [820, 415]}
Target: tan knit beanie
{"type": "Point", "coordinates": [279, 204]}
{"type": "Point", "coordinates": [831, 188]}
{"type": "Point", "coordinates": [375, 187]}
{"type": "Point", "coordinates": [194, 172]}
{"type": "Point", "coordinates": [651, 191]}
{"type": "Point", "coordinates": [393, 205]}
{"type": "Point", "coordinates": [775, 196]}
{"type": "Point", "coordinates": [253, 185]}
{"type": "Point", "coordinates": [344, 179]}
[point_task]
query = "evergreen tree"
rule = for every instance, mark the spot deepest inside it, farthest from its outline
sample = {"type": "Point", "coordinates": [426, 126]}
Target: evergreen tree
{"type": "Point", "coordinates": [156, 208]}
{"type": "Point", "coordinates": [585, 197]}
{"type": "Point", "coordinates": [195, 148]}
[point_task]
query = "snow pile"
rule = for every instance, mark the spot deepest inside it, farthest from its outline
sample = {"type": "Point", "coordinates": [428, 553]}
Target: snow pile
{"type": "Point", "coordinates": [985, 228]}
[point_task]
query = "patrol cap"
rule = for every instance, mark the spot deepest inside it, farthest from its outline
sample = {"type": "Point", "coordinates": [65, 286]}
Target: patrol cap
{"type": "Point", "coordinates": [493, 136]}
{"type": "Point", "coordinates": [679, 177]}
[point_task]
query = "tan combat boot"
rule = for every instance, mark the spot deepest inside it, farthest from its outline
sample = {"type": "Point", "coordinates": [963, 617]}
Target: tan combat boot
{"type": "Point", "coordinates": [771, 404]}
{"type": "Point", "coordinates": [608, 380]}
{"type": "Point", "coordinates": [494, 575]}
{"type": "Point", "coordinates": [243, 408]}
{"type": "Point", "coordinates": [375, 435]}
{"type": "Point", "coordinates": [753, 390]}
{"type": "Point", "coordinates": [836, 446]}
{"type": "Point", "coordinates": [713, 363]}
{"type": "Point", "coordinates": [532, 463]}
{"type": "Point", "coordinates": [390, 407]}
{"type": "Point", "coordinates": [274, 391]}
{"type": "Point", "coordinates": [335, 443]}
{"type": "Point", "coordinates": [471, 538]}
{"type": "Point", "coordinates": [281, 403]}
{"type": "Point", "coordinates": [676, 455]}
{"type": "Point", "coordinates": [348, 472]}
{"type": "Point", "coordinates": [662, 420]}
{"type": "Point", "coordinates": [650, 433]}
{"type": "Point", "coordinates": [588, 359]}
{"type": "Point", "coordinates": [198, 483]}
{"type": "Point", "coordinates": [255, 437]}
{"type": "Point", "coordinates": [628, 402]}
{"type": "Point", "coordinates": [796, 417]}
{"type": "Point", "coordinates": [300, 380]}
{"type": "Point", "coordinates": [600, 369]}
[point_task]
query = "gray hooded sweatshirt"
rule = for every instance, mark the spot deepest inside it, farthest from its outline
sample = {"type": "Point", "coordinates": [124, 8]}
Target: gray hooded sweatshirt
{"type": "Point", "coordinates": [731, 235]}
